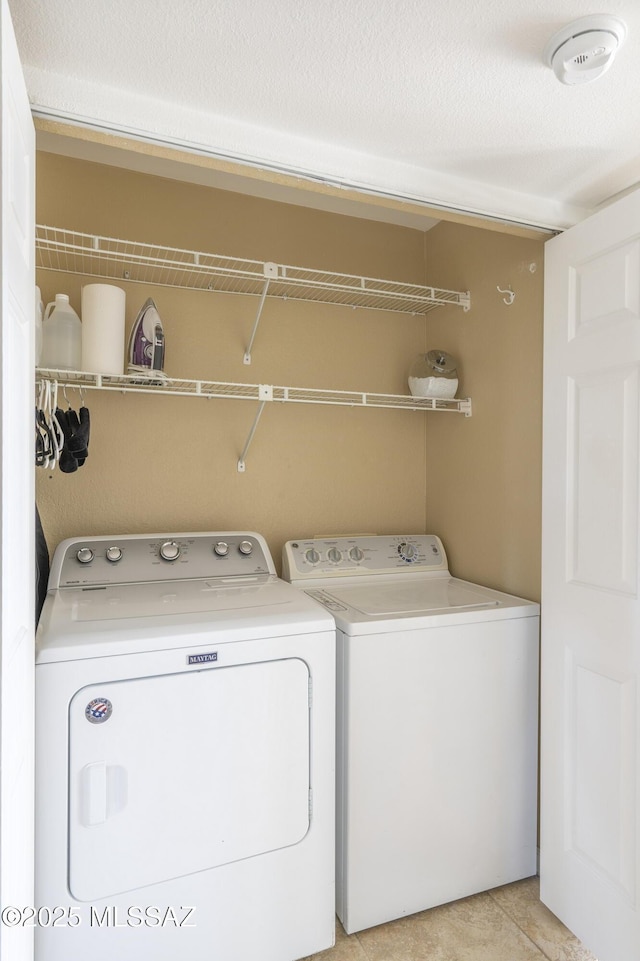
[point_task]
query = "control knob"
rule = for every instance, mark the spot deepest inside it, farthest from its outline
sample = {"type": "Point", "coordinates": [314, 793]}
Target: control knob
{"type": "Point", "coordinates": [221, 548]}
{"type": "Point", "coordinates": [245, 547]}
{"type": "Point", "coordinates": [85, 555]}
{"type": "Point", "coordinates": [170, 551]}
{"type": "Point", "coordinates": [407, 552]}
{"type": "Point", "coordinates": [311, 556]}
{"type": "Point", "coordinates": [334, 555]}
{"type": "Point", "coordinates": [114, 554]}
{"type": "Point", "coordinates": [356, 554]}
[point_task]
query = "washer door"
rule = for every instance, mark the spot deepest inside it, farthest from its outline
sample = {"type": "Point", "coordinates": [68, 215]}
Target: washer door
{"type": "Point", "coordinates": [178, 773]}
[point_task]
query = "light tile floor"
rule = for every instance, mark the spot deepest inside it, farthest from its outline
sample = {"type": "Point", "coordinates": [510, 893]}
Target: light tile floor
{"type": "Point", "coordinates": [507, 924]}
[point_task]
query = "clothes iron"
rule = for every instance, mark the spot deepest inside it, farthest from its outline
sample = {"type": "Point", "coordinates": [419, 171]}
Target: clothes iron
{"type": "Point", "coordinates": [146, 342]}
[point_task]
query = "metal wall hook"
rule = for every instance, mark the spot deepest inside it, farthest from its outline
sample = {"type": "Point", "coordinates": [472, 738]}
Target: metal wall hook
{"type": "Point", "coordinates": [509, 297]}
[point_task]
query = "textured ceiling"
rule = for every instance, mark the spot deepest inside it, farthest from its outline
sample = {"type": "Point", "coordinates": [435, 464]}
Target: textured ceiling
{"type": "Point", "coordinates": [446, 101]}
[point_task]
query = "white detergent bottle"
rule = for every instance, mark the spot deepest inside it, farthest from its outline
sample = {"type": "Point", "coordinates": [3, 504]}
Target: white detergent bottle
{"type": "Point", "coordinates": [61, 336]}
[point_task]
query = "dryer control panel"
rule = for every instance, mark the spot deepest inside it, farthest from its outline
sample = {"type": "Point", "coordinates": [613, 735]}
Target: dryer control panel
{"type": "Point", "coordinates": [136, 558]}
{"type": "Point", "coordinates": [362, 554]}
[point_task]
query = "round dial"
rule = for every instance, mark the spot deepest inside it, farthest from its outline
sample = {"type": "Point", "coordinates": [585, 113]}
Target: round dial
{"type": "Point", "coordinates": [170, 551]}
{"type": "Point", "coordinates": [221, 548]}
{"type": "Point", "coordinates": [85, 555]}
{"type": "Point", "coordinates": [408, 552]}
{"type": "Point", "coordinates": [114, 554]}
{"type": "Point", "coordinates": [334, 555]}
{"type": "Point", "coordinates": [356, 554]}
{"type": "Point", "coordinates": [311, 556]}
{"type": "Point", "coordinates": [245, 547]}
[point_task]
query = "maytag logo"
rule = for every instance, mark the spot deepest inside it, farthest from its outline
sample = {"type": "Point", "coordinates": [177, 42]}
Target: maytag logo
{"type": "Point", "coordinates": [202, 658]}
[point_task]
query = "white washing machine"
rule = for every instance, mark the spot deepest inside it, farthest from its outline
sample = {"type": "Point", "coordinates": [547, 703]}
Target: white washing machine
{"type": "Point", "coordinates": [437, 708]}
{"type": "Point", "coordinates": [185, 754]}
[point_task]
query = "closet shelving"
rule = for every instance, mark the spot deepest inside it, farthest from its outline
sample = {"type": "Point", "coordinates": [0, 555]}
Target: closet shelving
{"type": "Point", "coordinates": [96, 256]}
{"type": "Point", "coordinates": [68, 251]}
{"type": "Point", "coordinates": [134, 383]}
{"type": "Point", "coordinates": [262, 393]}
{"type": "Point", "coordinates": [106, 257]}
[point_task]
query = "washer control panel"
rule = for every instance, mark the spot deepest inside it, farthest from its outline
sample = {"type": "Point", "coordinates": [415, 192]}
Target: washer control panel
{"type": "Point", "coordinates": [94, 562]}
{"type": "Point", "coordinates": [362, 554]}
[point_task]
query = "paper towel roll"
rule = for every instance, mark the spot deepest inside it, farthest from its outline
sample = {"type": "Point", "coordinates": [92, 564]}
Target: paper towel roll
{"type": "Point", "coordinates": [103, 328]}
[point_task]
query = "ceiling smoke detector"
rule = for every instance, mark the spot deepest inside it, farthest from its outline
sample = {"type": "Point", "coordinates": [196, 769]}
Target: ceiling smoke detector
{"type": "Point", "coordinates": [585, 49]}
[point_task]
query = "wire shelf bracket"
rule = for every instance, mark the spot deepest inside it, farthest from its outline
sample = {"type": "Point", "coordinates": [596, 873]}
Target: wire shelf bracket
{"type": "Point", "coordinates": [265, 392]}
{"type": "Point", "coordinates": [270, 271]}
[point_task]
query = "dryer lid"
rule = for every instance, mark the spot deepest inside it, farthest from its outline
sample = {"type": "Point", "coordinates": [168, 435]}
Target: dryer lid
{"type": "Point", "coordinates": [77, 623]}
{"type": "Point", "coordinates": [206, 597]}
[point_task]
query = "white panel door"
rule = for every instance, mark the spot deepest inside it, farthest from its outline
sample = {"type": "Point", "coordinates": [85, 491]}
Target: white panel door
{"type": "Point", "coordinates": [175, 774]}
{"type": "Point", "coordinates": [17, 518]}
{"type": "Point", "coordinates": [590, 850]}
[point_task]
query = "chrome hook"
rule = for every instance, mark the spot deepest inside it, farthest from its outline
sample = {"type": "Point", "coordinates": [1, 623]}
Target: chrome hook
{"type": "Point", "coordinates": [509, 297]}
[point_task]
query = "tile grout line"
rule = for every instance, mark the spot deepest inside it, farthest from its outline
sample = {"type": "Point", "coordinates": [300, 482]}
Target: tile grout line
{"type": "Point", "coordinates": [522, 931]}
{"type": "Point", "coordinates": [512, 920]}
{"type": "Point", "coordinates": [362, 947]}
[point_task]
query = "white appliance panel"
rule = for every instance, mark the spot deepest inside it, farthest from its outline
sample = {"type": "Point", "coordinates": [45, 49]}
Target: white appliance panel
{"type": "Point", "coordinates": [437, 710]}
{"type": "Point", "coordinates": [135, 558]}
{"type": "Point", "coordinates": [189, 772]}
{"type": "Point", "coordinates": [210, 782]}
{"type": "Point", "coordinates": [362, 554]}
{"type": "Point", "coordinates": [437, 734]}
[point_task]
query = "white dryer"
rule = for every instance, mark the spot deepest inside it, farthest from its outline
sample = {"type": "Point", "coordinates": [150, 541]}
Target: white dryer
{"type": "Point", "coordinates": [185, 704]}
{"type": "Point", "coordinates": [437, 708]}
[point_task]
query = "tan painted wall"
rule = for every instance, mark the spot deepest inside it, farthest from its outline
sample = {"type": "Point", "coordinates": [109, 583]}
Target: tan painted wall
{"type": "Point", "coordinates": [484, 473]}
{"type": "Point", "coordinates": [163, 463]}
{"type": "Point", "coordinates": [169, 463]}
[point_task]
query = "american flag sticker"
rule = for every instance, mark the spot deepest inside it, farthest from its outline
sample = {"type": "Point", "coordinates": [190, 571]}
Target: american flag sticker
{"type": "Point", "coordinates": [98, 710]}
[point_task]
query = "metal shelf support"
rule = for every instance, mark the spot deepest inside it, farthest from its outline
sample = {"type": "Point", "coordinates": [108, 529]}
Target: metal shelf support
{"type": "Point", "coordinates": [265, 392]}
{"type": "Point", "coordinates": [270, 271]}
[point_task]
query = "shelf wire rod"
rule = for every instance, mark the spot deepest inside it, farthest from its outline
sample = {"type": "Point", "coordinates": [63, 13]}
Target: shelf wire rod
{"type": "Point", "coordinates": [247, 355]}
{"type": "Point", "coordinates": [242, 458]}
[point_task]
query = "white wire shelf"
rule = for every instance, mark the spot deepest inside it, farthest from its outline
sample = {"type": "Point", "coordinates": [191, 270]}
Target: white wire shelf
{"type": "Point", "coordinates": [262, 393]}
{"type": "Point", "coordinates": [106, 257]}
{"type": "Point", "coordinates": [133, 383]}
